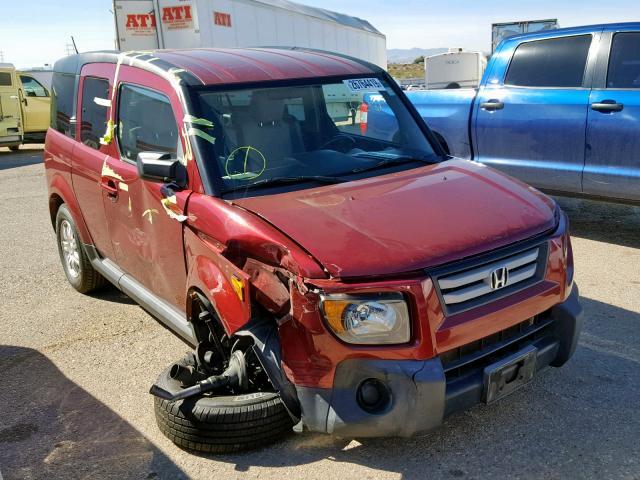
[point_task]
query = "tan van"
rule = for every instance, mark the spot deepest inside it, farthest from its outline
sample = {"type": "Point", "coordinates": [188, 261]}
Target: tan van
{"type": "Point", "coordinates": [24, 108]}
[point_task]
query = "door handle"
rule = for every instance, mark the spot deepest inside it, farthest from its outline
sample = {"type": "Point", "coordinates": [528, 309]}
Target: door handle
{"type": "Point", "coordinates": [111, 187]}
{"type": "Point", "coordinates": [607, 106]}
{"type": "Point", "coordinates": [492, 105]}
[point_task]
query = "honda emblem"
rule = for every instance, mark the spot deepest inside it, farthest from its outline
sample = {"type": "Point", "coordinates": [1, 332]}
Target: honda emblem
{"type": "Point", "coordinates": [499, 278]}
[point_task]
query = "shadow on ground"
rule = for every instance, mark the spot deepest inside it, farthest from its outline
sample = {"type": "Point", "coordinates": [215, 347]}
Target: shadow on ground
{"type": "Point", "coordinates": [603, 222]}
{"type": "Point", "coordinates": [579, 421]}
{"type": "Point", "coordinates": [27, 155]}
{"type": "Point", "coordinates": [51, 428]}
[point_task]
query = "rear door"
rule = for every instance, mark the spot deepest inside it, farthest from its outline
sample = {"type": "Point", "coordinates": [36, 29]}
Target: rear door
{"type": "Point", "coordinates": [89, 155]}
{"type": "Point", "coordinates": [36, 104]}
{"type": "Point", "coordinates": [531, 122]}
{"type": "Point", "coordinates": [612, 164]}
{"type": "Point", "coordinates": [146, 238]}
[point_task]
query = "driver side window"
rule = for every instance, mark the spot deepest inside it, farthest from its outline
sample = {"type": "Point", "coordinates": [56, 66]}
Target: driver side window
{"type": "Point", "coordinates": [32, 87]}
{"type": "Point", "coordinates": [146, 123]}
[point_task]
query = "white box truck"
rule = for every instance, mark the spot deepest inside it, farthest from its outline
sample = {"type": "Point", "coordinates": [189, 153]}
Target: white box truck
{"type": "Point", "coordinates": [455, 69]}
{"type": "Point", "coordinates": [151, 24]}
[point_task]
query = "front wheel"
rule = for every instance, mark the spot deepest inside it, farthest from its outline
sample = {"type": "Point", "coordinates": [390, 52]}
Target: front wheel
{"type": "Point", "coordinates": [222, 423]}
{"type": "Point", "coordinates": [75, 262]}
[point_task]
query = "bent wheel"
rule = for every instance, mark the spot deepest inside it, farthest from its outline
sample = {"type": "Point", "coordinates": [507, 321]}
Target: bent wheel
{"type": "Point", "coordinates": [222, 424]}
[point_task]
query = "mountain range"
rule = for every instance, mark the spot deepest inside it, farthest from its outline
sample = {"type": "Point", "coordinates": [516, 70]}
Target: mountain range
{"type": "Point", "coordinates": [408, 55]}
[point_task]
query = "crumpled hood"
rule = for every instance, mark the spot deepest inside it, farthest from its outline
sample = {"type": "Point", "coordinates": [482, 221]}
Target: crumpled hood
{"type": "Point", "coordinates": [408, 220]}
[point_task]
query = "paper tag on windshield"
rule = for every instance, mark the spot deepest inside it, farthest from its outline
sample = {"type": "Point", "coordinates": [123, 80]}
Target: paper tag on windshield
{"type": "Point", "coordinates": [357, 85]}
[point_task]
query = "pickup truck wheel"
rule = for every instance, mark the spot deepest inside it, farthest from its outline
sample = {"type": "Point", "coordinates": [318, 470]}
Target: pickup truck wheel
{"type": "Point", "coordinates": [14, 148]}
{"type": "Point", "coordinates": [222, 424]}
{"type": "Point", "coordinates": [77, 266]}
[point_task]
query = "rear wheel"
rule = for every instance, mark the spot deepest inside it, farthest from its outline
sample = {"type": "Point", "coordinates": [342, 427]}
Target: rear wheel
{"type": "Point", "coordinates": [75, 262]}
{"type": "Point", "coordinates": [221, 424]}
{"type": "Point", "coordinates": [14, 148]}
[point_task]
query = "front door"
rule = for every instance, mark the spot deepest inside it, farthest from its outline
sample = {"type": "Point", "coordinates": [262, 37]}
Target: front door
{"type": "Point", "coordinates": [612, 165]}
{"type": "Point", "coordinates": [532, 123]}
{"type": "Point", "coordinates": [147, 241]}
{"type": "Point", "coordinates": [36, 105]}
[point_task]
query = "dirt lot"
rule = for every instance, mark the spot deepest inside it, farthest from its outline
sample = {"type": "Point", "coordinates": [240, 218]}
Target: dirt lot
{"type": "Point", "coordinates": [75, 371]}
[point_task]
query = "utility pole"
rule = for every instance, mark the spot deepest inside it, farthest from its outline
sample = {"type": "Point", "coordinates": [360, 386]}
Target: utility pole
{"type": "Point", "coordinates": [69, 49]}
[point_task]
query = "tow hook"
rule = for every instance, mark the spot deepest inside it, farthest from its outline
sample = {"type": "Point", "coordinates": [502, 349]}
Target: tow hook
{"type": "Point", "coordinates": [235, 376]}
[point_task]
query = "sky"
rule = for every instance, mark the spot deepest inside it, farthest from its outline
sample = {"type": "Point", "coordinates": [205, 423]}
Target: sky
{"type": "Point", "coordinates": [35, 32]}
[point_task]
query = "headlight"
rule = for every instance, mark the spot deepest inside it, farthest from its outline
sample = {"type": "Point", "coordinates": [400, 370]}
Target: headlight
{"type": "Point", "coordinates": [378, 318]}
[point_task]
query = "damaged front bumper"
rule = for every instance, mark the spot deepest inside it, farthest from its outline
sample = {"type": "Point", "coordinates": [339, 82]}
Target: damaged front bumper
{"type": "Point", "coordinates": [376, 398]}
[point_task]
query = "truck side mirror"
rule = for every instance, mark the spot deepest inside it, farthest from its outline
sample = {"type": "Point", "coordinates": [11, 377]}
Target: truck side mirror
{"type": "Point", "coordinates": [160, 167]}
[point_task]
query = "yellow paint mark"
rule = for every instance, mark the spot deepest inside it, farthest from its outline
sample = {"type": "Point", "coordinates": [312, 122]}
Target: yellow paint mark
{"type": "Point", "coordinates": [124, 187]}
{"type": "Point", "coordinates": [129, 205]}
{"type": "Point", "coordinates": [238, 287]}
{"type": "Point", "coordinates": [149, 213]}
{"type": "Point", "coordinates": [170, 205]}
{"type": "Point", "coordinates": [107, 171]}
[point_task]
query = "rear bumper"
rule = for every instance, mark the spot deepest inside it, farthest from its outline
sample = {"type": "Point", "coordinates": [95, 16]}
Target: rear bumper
{"type": "Point", "coordinates": [423, 393]}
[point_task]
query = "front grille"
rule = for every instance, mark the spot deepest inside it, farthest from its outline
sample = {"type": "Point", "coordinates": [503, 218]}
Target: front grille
{"type": "Point", "coordinates": [473, 357]}
{"type": "Point", "coordinates": [486, 278]}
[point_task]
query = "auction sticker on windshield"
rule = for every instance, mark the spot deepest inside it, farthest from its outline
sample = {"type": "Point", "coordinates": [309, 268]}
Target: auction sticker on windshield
{"type": "Point", "coordinates": [364, 85]}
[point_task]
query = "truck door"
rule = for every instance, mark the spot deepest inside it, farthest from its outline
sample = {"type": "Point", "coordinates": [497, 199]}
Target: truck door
{"type": "Point", "coordinates": [612, 164]}
{"type": "Point", "coordinates": [531, 122]}
{"type": "Point", "coordinates": [146, 238]}
{"type": "Point", "coordinates": [36, 105]}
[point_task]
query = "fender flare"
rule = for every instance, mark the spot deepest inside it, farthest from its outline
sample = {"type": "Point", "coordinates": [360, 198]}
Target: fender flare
{"type": "Point", "coordinates": [59, 187]}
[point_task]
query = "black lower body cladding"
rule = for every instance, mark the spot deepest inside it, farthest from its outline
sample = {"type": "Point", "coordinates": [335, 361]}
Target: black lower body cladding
{"type": "Point", "coordinates": [416, 396]}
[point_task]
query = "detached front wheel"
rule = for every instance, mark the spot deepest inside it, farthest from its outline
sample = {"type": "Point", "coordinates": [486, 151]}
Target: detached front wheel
{"type": "Point", "coordinates": [222, 424]}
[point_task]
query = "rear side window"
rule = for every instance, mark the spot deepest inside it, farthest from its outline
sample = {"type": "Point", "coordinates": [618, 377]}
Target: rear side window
{"type": "Point", "coordinates": [554, 62]}
{"type": "Point", "coordinates": [145, 122]}
{"type": "Point", "coordinates": [5, 79]}
{"type": "Point", "coordinates": [62, 103]}
{"type": "Point", "coordinates": [32, 87]}
{"type": "Point", "coordinates": [94, 117]}
{"type": "Point", "coordinates": [624, 62]}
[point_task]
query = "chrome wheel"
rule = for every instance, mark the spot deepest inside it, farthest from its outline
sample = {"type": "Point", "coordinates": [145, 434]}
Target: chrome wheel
{"type": "Point", "coordinates": [69, 249]}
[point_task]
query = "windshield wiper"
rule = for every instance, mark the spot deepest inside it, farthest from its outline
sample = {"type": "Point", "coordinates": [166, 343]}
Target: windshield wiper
{"type": "Point", "coordinates": [387, 161]}
{"type": "Point", "coordinates": [293, 179]}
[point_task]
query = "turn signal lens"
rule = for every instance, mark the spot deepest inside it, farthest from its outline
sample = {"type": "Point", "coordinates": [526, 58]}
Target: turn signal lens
{"type": "Point", "coordinates": [368, 319]}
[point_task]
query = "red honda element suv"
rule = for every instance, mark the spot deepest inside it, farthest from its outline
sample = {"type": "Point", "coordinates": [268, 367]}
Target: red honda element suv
{"type": "Point", "coordinates": [326, 265]}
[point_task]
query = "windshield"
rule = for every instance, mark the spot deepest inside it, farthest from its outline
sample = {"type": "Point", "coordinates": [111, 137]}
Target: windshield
{"type": "Point", "coordinates": [323, 132]}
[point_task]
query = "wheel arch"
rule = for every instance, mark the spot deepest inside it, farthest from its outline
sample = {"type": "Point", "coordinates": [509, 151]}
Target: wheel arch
{"type": "Point", "coordinates": [61, 193]}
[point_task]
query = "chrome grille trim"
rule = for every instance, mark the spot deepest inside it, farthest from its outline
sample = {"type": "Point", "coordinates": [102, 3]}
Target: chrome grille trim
{"type": "Point", "coordinates": [475, 282]}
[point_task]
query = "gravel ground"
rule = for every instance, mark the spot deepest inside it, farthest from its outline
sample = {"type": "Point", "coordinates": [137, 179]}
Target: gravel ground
{"type": "Point", "coordinates": [75, 371]}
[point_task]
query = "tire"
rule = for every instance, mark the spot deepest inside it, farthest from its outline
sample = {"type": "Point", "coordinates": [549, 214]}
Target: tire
{"type": "Point", "coordinates": [79, 271]}
{"type": "Point", "coordinates": [14, 148]}
{"type": "Point", "coordinates": [223, 424]}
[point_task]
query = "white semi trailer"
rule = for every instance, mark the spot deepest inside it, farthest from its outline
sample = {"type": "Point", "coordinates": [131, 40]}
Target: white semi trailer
{"type": "Point", "coordinates": [150, 24]}
{"type": "Point", "coordinates": [455, 69]}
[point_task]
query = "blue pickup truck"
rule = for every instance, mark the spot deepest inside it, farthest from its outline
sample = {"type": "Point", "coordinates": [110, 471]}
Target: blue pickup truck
{"type": "Point", "coordinates": [558, 109]}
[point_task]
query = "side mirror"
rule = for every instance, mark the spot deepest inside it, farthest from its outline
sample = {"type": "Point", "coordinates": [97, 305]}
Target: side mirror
{"type": "Point", "coordinates": [160, 167]}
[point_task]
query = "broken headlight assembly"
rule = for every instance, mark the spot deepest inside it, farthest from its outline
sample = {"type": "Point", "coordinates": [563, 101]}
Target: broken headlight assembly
{"type": "Point", "coordinates": [368, 319]}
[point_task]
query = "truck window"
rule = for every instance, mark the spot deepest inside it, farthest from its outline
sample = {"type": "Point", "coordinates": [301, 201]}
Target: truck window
{"type": "Point", "coordinates": [32, 87]}
{"type": "Point", "coordinates": [62, 103]}
{"type": "Point", "coordinates": [145, 123]}
{"type": "Point", "coordinates": [553, 62]}
{"type": "Point", "coordinates": [93, 122]}
{"type": "Point", "coordinates": [5, 79]}
{"type": "Point", "coordinates": [624, 62]}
